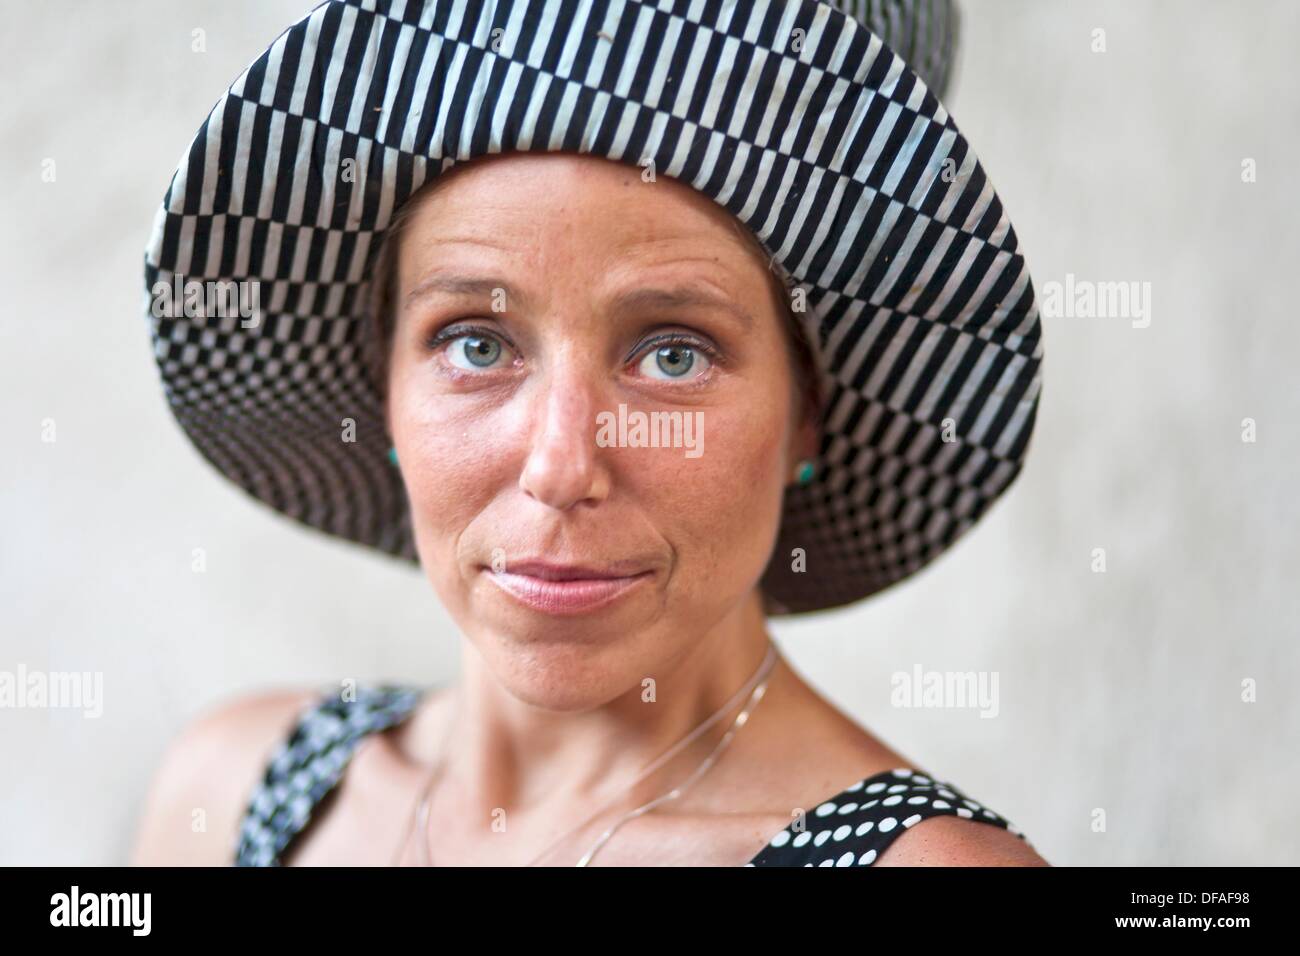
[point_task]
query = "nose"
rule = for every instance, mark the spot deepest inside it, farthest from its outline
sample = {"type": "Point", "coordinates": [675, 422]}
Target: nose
{"type": "Point", "coordinates": [562, 468]}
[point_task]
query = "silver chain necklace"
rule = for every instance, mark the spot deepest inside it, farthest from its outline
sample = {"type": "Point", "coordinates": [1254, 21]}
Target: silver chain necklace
{"type": "Point", "coordinates": [755, 687]}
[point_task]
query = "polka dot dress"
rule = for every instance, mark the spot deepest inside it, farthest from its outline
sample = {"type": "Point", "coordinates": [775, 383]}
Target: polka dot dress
{"type": "Point", "coordinates": [852, 828]}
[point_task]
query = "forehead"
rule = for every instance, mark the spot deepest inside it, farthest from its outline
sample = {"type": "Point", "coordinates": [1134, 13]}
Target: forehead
{"type": "Point", "coordinates": [541, 205]}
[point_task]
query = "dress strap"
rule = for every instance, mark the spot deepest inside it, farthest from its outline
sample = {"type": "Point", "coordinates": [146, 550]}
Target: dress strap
{"type": "Point", "coordinates": [310, 762]}
{"type": "Point", "coordinates": [856, 825]}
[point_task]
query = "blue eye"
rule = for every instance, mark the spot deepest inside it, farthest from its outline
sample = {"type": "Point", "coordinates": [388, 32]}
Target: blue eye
{"type": "Point", "coordinates": [670, 357]}
{"type": "Point", "coordinates": [673, 362]}
{"type": "Point", "coordinates": [473, 352]}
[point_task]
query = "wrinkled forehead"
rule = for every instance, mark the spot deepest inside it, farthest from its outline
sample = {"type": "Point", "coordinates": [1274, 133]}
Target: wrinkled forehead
{"type": "Point", "coordinates": [525, 205]}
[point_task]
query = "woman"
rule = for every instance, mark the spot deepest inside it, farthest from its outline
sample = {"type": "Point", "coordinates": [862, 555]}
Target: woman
{"type": "Point", "coordinates": [616, 423]}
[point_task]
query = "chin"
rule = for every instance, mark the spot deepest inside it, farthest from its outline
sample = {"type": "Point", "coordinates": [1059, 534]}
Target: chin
{"type": "Point", "coordinates": [572, 664]}
{"type": "Point", "coordinates": [564, 678]}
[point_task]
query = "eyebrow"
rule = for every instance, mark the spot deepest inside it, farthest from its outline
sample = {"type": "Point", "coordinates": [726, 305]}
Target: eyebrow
{"type": "Point", "coordinates": [646, 299]}
{"type": "Point", "coordinates": [678, 297]}
{"type": "Point", "coordinates": [464, 285]}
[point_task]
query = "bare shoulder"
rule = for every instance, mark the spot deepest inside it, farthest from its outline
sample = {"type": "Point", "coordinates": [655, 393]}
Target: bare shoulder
{"type": "Point", "coordinates": [956, 841]}
{"type": "Point", "coordinates": [206, 776]}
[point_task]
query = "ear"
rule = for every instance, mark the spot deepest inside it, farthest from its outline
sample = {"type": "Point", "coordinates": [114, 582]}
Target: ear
{"type": "Point", "coordinates": [804, 442]}
{"type": "Point", "coordinates": [808, 436]}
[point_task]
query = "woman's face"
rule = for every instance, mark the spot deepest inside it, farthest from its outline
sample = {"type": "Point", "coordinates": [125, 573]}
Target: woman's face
{"type": "Point", "coordinates": [539, 295]}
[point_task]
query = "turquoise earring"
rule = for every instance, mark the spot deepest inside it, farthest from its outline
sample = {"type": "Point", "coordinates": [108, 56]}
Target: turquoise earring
{"type": "Point", "coordinates": [805, 472]}
{"type": "Point", "coordinates": [392, 456]}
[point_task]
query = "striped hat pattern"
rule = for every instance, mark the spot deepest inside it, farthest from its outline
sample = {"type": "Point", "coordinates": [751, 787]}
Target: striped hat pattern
{"type": "Point", "coordinates": [796, 116]}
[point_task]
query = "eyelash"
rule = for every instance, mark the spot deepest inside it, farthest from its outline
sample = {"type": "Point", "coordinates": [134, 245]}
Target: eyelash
{"type": "Point", "coordinates": [453, 332]}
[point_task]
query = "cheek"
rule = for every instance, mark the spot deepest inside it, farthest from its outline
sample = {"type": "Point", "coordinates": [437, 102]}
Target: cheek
{"type": "Point", "coordinates": [453, 456]}
{"type": "Point", "coordinates": [721, 511]}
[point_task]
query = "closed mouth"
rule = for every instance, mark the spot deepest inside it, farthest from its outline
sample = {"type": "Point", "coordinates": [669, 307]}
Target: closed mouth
{"type": "Point", "coordinates": [565, 588]}
{"type": "Point", "coordinates": [548, 571]}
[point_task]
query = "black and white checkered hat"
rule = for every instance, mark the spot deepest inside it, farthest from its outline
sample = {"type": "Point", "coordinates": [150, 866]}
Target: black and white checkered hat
{"type": "Point", "coordinates": [796, 116]}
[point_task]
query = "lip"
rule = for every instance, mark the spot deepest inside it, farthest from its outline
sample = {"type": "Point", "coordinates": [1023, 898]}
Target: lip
{"type": "Point", "coordinates": [566, 588]}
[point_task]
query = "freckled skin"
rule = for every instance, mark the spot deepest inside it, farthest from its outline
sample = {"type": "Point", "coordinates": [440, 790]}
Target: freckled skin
{"type": "Point", "coordinates": [506, 457]}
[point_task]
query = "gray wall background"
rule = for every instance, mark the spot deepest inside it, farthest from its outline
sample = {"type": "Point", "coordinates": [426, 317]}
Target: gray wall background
{"type": "Point", "coordinates": [1120, 691]}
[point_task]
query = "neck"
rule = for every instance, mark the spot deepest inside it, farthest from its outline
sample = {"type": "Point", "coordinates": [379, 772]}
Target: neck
{"type": "Point", "coordinates": [526, 755]}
